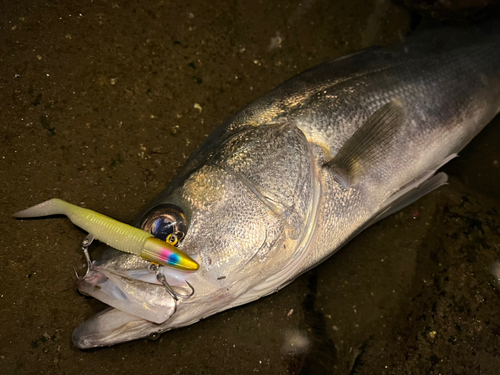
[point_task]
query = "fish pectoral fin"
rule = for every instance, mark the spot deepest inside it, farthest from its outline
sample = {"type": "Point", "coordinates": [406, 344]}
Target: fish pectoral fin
{"type": "Point", "coordinates": [368, 145]}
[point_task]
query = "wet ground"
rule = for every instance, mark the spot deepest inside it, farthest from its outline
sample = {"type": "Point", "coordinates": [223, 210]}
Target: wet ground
{"type": "Point", "coordinates": [101, 104]}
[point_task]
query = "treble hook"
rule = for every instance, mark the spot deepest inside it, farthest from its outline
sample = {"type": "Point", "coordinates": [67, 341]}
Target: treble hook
{"type": "Point", "coordinates": [153, 268]}
{"type": "Point", "coordinates": [87, 241]}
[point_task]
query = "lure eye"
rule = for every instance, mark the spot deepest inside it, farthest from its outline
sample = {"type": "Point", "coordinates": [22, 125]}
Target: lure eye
{"type": "Point", "coordinates": [164, 221]}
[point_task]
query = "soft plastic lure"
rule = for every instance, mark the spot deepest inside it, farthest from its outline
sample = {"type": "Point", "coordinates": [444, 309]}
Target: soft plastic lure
{"type": "Point", "coordinates": [121, 236]}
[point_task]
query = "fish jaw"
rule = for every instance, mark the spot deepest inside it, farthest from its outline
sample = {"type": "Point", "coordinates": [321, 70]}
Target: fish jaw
{"type": "Point", "coordinates": [140, 305]}
{"type": "Point", "coordinates": [110, 327]}
{"type": "Point", "coordinates": [143, 299]}
{"type": "Point", "coordinates": [130, 319]}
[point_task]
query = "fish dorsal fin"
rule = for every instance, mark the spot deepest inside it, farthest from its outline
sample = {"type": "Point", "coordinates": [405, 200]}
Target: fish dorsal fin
{"type": "Point", "coordinates": [368, 145]}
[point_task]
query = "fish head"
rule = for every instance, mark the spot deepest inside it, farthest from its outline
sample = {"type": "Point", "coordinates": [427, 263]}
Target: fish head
{"type": "Point", "coordinates": [243, 210]}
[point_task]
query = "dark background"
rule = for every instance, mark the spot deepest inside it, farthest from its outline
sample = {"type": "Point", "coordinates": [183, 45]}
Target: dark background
{"type": "Point", "coordinates": [97, 107]}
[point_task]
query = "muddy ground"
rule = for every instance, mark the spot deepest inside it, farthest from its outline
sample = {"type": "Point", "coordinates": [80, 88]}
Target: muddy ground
{"type": "Point", "coordinates": [102, 102]}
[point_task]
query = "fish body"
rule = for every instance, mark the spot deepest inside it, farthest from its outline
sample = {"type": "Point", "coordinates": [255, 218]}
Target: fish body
{"type": "Point", "coordinates": [285, 182]}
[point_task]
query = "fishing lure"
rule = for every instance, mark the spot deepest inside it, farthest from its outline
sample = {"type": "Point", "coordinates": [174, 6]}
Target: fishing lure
{"type": "Point", "coordinates": [120, 236]}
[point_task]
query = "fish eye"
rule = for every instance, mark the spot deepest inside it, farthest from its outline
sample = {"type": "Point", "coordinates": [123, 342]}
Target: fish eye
{"type": "Point", "coordinates": [163, 221]}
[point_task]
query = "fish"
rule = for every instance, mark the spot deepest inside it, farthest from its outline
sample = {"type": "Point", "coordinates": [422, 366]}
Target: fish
{"type": "Point", "coordinates": [288, 180]}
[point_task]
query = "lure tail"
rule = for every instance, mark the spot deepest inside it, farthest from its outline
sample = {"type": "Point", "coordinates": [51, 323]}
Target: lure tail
{"type": "Point", "coordinates": [121, 236]}
{"type": "Point", "coordinates": [51, 207]}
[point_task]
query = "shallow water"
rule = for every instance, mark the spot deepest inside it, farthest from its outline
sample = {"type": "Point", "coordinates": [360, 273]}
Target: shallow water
{"type": "Point", "coordinates": [102, 103]}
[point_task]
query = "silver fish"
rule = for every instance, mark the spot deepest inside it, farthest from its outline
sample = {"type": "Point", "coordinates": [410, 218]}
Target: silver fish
{"type": "Point", "coordinates": [284, 183]}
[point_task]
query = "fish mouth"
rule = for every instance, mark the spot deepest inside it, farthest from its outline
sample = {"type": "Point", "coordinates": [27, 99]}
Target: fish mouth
{"type": "Point", "coordinates": [142, 298]}
{"type": "Point", "coordinates": [139, 303]}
